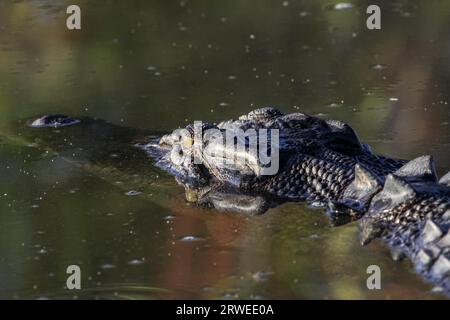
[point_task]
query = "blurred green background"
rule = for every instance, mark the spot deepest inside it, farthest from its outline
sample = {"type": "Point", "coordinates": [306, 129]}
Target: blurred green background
{"type": "Point", "coordinates": [161, 64]}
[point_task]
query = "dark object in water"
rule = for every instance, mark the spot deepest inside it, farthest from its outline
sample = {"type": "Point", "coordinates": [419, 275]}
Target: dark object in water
{"type": "Point", "coordinates": [322, 162]}
{"type": "Point", "coordinates": [53, 121]}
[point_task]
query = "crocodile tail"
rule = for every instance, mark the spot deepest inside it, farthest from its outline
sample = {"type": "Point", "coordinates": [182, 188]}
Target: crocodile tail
{"type": "Point", "coordinates": [412, 214]}
{"type": "Point", "coordinates": [430, 251]}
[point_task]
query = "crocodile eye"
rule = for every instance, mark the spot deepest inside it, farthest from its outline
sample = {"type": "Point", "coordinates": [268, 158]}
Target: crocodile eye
{"type": "Point", "coordinates": [177, 155]}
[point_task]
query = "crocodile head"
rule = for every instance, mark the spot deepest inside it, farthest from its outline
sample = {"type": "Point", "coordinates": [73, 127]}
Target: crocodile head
{"type": "Point", "coordinates": [202, 152]}
{"type": "Point", "coordinates": [253, 148]}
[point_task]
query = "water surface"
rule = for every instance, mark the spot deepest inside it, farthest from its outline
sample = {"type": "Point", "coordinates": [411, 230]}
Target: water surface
{"type": "Point", "coordinates": [157, 65]}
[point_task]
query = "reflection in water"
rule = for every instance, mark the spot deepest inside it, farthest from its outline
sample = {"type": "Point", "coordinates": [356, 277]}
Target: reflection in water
{"type": "Point", "coordinates": [158, 65]}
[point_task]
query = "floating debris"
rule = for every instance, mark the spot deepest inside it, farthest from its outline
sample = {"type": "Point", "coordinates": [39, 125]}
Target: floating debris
{"type": "Point", "coordinates": [343, 6]}
{"type": "Point", "coordinates": [107, 266]}
{"type": "Point", "coordinates": [378, 66]}
{"type": "Point", "coordinates": [260, 276]}
{"type": "Point", "coordinates": [133, 193]}
{"type": "Point", "coordinates": [136, 262]}
{"type": "Point", "coordinates": [191, 238]}
{"type": "Point", "coordinates": [335, 105]}
{"type": "Point", "coordinates": [437, 289]}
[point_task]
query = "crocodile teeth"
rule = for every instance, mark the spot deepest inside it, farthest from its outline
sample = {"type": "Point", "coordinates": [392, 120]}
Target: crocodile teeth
{"type": "Point", "coordinates": [395, 192]}
{"type": "Point", "coordinates": [445, 179]}
{"type": "Point", "coordinates": [358, 193]}
{"type": "Point", "coordinates": [419, 169]}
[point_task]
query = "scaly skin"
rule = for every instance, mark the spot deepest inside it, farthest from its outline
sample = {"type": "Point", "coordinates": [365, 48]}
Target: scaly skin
{"type": "Point", "coordinates": [416, 225]}
{"type": "Point", "coordinates": [324, 163]}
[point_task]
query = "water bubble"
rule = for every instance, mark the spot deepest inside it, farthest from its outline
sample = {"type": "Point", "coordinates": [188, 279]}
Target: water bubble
{"type": "Point", "coordinates": [335, 105]}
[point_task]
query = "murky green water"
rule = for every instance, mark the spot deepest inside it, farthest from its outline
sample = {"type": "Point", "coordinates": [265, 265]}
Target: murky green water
{"type": "Point", "coordinates": [156, 65]}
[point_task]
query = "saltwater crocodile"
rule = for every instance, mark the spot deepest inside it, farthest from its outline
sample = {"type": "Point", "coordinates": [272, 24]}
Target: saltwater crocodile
{"type": "Point", "coordinates": [322, 162]}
